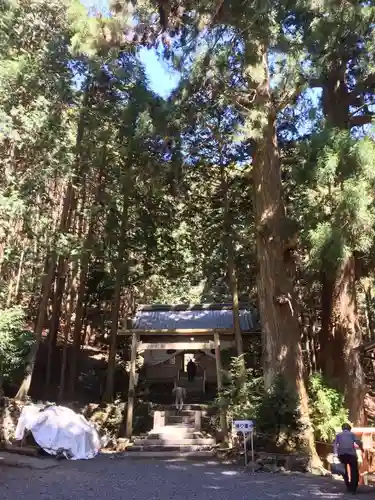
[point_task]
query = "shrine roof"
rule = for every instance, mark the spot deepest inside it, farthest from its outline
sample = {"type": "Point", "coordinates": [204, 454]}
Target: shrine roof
{"type": "Point", "coordinates": [195, 316]}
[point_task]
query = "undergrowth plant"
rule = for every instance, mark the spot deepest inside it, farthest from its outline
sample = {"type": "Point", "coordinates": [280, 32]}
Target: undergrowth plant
{"type": "Point", "coordinates": [327, 410]}
{"type": "Point", "coordinates": [15, 341]}
{"type": "Point", "coordinates": [278, 415]}
{"type": "Point", "coordinates": [242, 393]}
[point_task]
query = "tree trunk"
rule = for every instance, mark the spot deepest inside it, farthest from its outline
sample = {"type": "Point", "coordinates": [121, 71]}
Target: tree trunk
{"type": "Point", "coordinates": [340, 333]}
{"type": "Point", "coordinates": [369, 312]}
{"type": "Point", "coordinates": [68, 321]}
{"type": "Point", "coordinates": [19, 274]}
{"type": "Point", "coordinates": [10, 291]}
{"type": "Point", "coordinates": [281, 338]}
{"type": "Point", "coordinates": [325, 336]}
{"type": "Point", "coordinates": [55, 319]}
{"type": "Point", "coordinates": [120, 272]}
{"type": "Point", "coordinates": [2, 255]}
{"type": "Point", "coordinates": [30, 362]}
{"type": "Point", "coordinates": [231, 266]}
{"type": "Point", "coordinates": [65, 218]}
{"type": "Point", "coordinates": [81, 295]}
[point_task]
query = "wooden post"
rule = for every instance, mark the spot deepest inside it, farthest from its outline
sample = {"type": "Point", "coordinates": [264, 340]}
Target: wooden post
{"type": "Point", "coordinates": [219, 375]}
{"type": "Point", "coordinates": [130, 406]}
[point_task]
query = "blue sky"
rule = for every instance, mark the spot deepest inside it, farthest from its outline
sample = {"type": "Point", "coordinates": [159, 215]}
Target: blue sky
{"type": "Point", "coordinates": [161, 78]}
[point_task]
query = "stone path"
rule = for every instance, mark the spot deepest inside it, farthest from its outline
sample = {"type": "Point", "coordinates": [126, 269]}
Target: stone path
{"type": "Point", "coordinates": [121, 478]}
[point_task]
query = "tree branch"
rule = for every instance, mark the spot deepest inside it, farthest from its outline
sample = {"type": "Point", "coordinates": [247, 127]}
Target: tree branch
{"type": "Point", "coordinates": [290, 97]}
{"type": "Point", "coordinates": [360, 120]}
{"type": "Point", "coordinates": [366, 85]}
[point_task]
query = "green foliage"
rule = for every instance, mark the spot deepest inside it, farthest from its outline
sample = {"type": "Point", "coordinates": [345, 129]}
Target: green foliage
{"type": "Point", "coordinates": [336, 200]}
{"type": "Point", "coordinates": [15, 341]}
{"type": "Point", "coordinates": [242, 393]}
{"type": "Point", "coordinates": [327, 410]}
{"type": "Point", "coordinates": [275, 411]}
{"type": "Point", "coordinates": [278, 415]}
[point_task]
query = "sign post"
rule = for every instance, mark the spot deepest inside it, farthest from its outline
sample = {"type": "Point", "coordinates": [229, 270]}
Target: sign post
{"type": "Point", "coordinates": [246, 428]}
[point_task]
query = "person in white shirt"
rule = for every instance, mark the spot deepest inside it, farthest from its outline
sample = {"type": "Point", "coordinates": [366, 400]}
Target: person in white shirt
{"type": "Point", "coordinates": [180, 394]}
{"type": "Point", "coordinates": [345, 446]}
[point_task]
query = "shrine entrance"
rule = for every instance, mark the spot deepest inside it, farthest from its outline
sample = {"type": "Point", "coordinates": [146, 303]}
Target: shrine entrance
{"type": "Point", "coordinates": [167, 331]}
{"type": "Point", "coordinates": [187, 357]}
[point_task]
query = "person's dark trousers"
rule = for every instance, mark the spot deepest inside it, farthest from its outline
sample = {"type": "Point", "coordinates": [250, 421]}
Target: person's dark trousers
{"type": "Point", "coordinates": [351, 480]}
{"type": "Point", "coordinates": [190, 377]}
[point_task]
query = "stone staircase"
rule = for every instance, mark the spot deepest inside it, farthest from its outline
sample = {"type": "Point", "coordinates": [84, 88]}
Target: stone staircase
{"type": "Point", "coordinates": [175, 431]}
{"type": "Point", "coordinates": [192, 387]}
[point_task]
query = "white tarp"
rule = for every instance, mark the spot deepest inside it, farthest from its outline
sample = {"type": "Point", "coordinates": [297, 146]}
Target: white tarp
{"type": "Point", "coordinates": [59, 430]}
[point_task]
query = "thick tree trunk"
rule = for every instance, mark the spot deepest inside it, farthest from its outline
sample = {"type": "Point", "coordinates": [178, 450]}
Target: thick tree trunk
{"type": "Point", "coordinates": [339, 333]}
{"type": "Point", "coordinates": [281, 338]}
{"type": "Point", "coordinates": [341, 361]}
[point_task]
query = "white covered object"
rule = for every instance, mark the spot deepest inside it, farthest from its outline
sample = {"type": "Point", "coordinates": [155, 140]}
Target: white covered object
{"type": "Point", "coordinates": [58, 430]}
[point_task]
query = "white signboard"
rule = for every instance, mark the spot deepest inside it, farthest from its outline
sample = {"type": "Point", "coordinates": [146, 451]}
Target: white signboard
{"type": "Point", "coordinates": [246, 427]}
{"type": "Point", "coordinates": [243, 425]}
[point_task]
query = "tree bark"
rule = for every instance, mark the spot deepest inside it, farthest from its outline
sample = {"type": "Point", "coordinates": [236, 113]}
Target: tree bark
{"type": "Point", "coordinates": [55, 319]}
{"type": "Point", "coordinates": [68, 321]}
{"type": "Point", "coordinates": [19, 274]}
{"type": "Point", "coordinates": [65, 218]}
{"type": "Point", "coordinates": [121, 268]}
{"type": "Point", "coordinates": [339, 333]}
{"type": "Point", "coordinates": [30, 363]}
{"type": "Point", "coordinates": [341, 362]}
{"type": "Point", "coordinates": [369, 312]}
{"type": "Point", "coordinates": [82, 287]}
{"type": "Point", "coordinates": [231, 266]}
{"type": "Point", "coordinates": [281, 338]}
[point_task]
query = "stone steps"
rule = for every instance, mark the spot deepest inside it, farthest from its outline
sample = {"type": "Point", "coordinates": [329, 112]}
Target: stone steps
{"type": "Point", "coordinates": [174, 441]}
{"type": "Point", "coordinates": [176, 420]}
{"type": "Point", "coordinates": [173, 453]}
{"type": "Point", "coordinates": [184, 434]}
{"type": "Point", "coordinates": [169, 449]}
{"type": "Point", "coordinates": [175, 431]}
{"type": "Point", "coordinates": [188, 407]}
{"type": "Point", "coordinates": [181, 413]}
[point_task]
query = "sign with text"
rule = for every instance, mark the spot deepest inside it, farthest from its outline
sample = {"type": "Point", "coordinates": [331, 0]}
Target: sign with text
{"type": "Point", "coordinates": [243, 425]}
{"type": "Point", "coordinates": [246, 427]}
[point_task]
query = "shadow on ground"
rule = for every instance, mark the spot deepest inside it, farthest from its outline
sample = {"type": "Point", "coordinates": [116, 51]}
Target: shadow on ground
{"type": "Point", "coordinates": [112, 477]}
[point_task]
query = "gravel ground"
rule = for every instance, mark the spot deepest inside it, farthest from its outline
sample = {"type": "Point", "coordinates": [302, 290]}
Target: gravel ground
{"type": "Point", "coordinates": [110, 479]}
